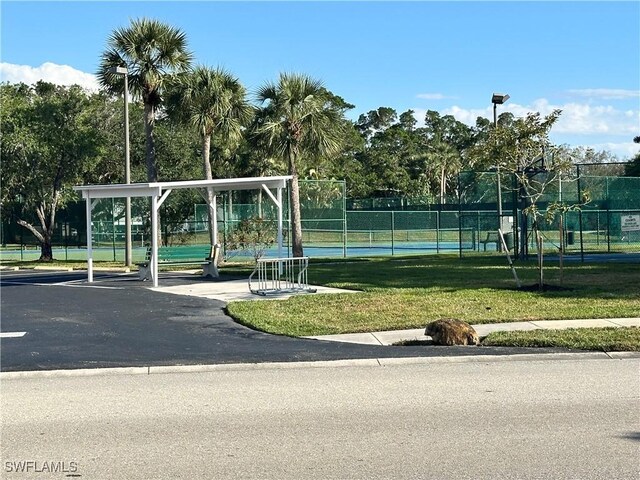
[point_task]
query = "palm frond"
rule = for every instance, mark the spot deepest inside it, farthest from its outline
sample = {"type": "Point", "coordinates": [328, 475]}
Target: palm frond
{"type": "Point", "coordinates": [150, 50]}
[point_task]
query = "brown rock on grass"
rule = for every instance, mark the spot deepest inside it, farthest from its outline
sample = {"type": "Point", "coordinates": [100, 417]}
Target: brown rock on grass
{"type": "Point", "coordinates": [452, 332]}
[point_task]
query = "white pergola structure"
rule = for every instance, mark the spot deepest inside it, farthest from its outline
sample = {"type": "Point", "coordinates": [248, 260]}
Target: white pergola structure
{"type": "Point", "coordinates": [159, 191]}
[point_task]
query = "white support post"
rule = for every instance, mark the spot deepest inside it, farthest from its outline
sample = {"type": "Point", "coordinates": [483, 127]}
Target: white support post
{"type": "Point", "coordinates": [279, 203]}
{"type": "Point", "coordinates": [154, 240]}
{"type": "Point", "coordinates": [214, 207]}
{"type": "Point", "coordinates": [89, 241]}
{"type": "Point", "coordinates": [164, 197]}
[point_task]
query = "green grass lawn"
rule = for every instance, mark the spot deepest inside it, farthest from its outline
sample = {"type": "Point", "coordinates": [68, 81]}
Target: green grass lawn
{"type": "Point", "coordinates": [410, 292]}
{"type": "Point", "coordinates": [607, 339]}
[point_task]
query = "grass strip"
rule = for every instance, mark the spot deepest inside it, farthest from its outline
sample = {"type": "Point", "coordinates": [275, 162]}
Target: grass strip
{"type": "Point", "coordinates": [609, 339]}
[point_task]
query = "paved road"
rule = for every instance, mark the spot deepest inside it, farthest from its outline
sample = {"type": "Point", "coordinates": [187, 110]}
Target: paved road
{"type": "Point", "coordinates": [119, 321]}
{"type": "Point", "coordinates": [560, 419]}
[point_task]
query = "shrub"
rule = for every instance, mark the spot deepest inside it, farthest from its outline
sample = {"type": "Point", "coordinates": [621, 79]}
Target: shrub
{"type": "Point", "coordinates": [254, 235]}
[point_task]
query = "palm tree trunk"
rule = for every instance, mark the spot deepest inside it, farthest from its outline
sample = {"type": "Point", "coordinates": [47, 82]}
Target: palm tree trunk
{"type": "Point", "coordinates": [149, 121]}
{"type": "Point", "coordinates": [208, 175]}
{"type": "Point", "coordinates": [152, 171]}
{"type": "Point", "coordinates": [296, 221]}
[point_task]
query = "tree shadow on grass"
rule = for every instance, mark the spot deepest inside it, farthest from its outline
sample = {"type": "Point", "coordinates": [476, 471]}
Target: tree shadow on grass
{"type": "Point", "coordinates": [583, 281]}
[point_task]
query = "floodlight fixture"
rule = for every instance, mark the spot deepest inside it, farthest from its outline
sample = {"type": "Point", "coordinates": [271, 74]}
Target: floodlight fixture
{"type": "Point", "coordinates": [118, 70]}
{"type": "Point", "coordinates": [499, 98]}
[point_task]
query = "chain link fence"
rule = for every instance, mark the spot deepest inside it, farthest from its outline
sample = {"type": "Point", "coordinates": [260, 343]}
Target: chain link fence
{"type": "Point", "coordinates": [333, 226]}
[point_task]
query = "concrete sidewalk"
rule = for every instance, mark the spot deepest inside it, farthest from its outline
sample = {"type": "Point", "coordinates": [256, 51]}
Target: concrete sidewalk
{"type": "Point", "coordinates": [395, 336]}
{"type": "Point", "coordinates": [232, 290]}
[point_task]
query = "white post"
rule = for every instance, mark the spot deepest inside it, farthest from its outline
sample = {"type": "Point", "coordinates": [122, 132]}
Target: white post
{"type": "Point", "coordinates": [89, 241]}
{"type": "Point", "coordinates": [279, 222]}
{"type": "Point", "coordinates": [214, 207]}
{"type": "Point", "coordinates": [128, 250]}
{"type": "Point", "coordinates": [154, 239]}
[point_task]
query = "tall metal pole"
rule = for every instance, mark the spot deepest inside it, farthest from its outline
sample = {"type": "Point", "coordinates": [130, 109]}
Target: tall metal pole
{"type": "Point", "coordinates": [580, 215]}
{"type": "Point", "coordinates": [127, 173]}
{"type": "Point", "coordinates": [498, 98]}
{"type": "Point", "coordinates": [495, 125]}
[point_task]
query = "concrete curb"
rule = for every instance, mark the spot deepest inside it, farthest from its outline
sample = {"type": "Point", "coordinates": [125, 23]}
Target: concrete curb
{"type": "Point", "coordinates": [53, 269]}
{"type": "Point", "coordinates": [106, 269]}
{"type": "Point", "coordinates": [623, 355]}
{"type": "Point", "coordinates": [365, 362]}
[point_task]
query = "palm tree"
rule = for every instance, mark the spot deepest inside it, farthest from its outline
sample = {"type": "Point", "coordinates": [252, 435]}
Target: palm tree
{"type": "Point", "coordinates": [298, 120]}
{"type": "Point", "coordinates": [150, 50]}
{"type": "Point", "coordinates": [446, 159]}
{"type": "Point", "coordinates": [214, 102]}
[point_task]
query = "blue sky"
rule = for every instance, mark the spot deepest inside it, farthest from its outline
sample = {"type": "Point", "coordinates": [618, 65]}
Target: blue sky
{"type": "Point", "coordinates": [582, 57]}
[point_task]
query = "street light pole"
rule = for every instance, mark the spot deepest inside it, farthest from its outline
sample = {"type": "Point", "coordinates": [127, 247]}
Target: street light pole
{"type": "Point", "coordinates": [498, 99]}
{"type": "Point", "coordinates": [127, 162]}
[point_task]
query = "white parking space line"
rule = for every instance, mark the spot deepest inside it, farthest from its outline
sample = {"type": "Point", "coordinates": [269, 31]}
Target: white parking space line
{"type": "Point", "coordinates": [12, 334]}
{"type": "Point", "coordinates": [90, 286]}
{"type": "Point", "coordinates": [76, 282]}
{"type": "Point", "coordinates": [33, 273]}
{"type": "Point", "coordinates": [11, 282]}
{"type": "Point", "coordinates": [61, 284]}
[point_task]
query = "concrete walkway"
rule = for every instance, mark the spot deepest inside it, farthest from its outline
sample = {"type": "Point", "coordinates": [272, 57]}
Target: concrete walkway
{"type": "Point", "coordinates": [233, 290]}
{"type": "Point", "coordinates": [395, 336]}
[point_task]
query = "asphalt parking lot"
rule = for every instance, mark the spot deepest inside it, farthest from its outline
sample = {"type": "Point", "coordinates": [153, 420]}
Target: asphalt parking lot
{"type": "Point", "coordinates": [119, 321]}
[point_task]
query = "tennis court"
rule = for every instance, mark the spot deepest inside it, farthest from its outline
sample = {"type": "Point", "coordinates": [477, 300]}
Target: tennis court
{"type": "Point", "coordinates": [356, 249]}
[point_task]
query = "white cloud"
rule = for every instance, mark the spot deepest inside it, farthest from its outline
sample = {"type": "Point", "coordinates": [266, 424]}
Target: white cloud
{"type": "Point", "coordinates": [434, 96]}
{"type": "Point", "coordinates": [606, 93]}
{"type": "Point", "coordinates": [580, 124]}
{"type": "Point", "coordinates": [576, 118]}
{"type": "Point", "coordinates": [624, 151]}
{"type": "Point", "coordinates": [48, 72]}
{"type": "Point", "coordinates": [587, 119]}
